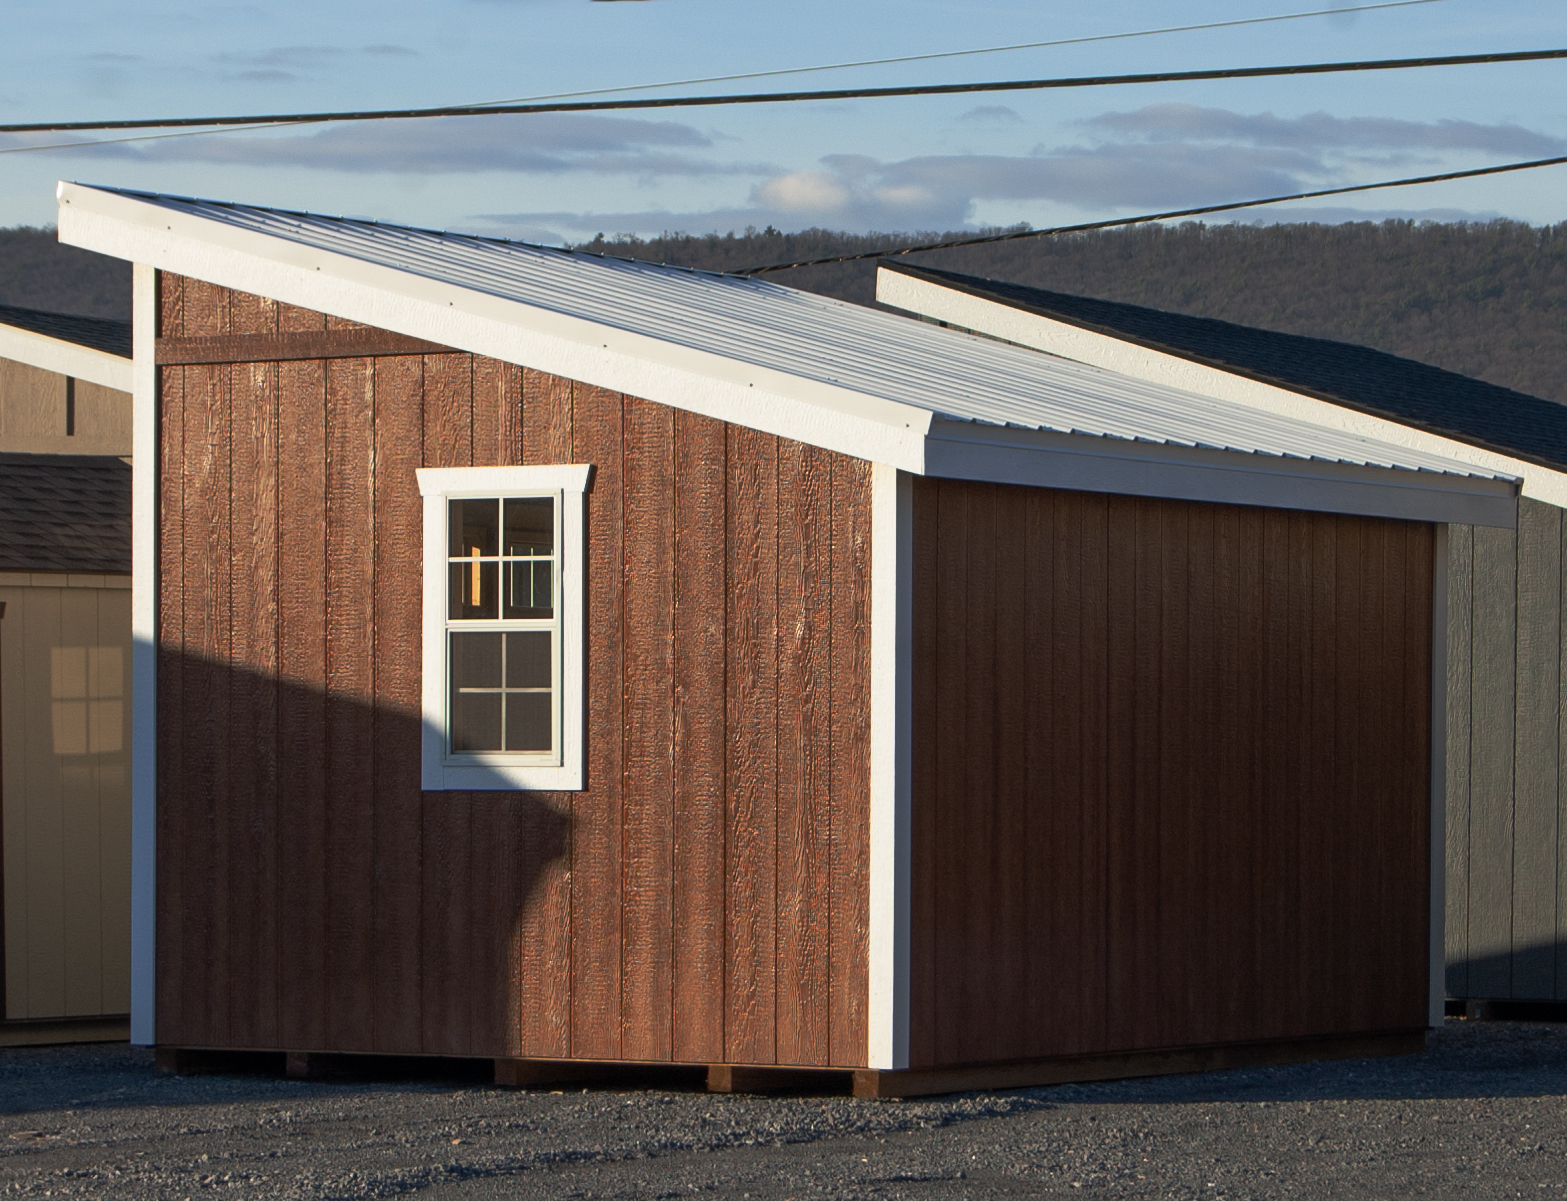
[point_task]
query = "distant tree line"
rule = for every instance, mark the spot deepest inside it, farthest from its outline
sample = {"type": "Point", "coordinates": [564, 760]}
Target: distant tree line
{"type": "Point", "coordinates": [1485, 299]}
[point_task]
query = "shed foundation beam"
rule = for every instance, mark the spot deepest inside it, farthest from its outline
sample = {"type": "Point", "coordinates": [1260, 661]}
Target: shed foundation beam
{"type": "Point", "coordinates": [747, 1078]}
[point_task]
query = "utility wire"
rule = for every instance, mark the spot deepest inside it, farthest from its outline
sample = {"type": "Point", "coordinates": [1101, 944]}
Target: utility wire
{"type": "Point", "coordinates": [1146, 218]}
{"type": "Point", "coordinates": [870, 62]}
{"type": "Point", "coordinates": [921, 58]}
{"type": "Point", "coordinates": [947, 89]}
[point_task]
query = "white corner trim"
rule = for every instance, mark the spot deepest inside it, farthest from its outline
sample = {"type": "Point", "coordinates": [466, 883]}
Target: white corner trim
{"type": "Point", "coordinates": [144, 663]}
{"type": "Point", "coordinates": [568, 483]}
{"type": "Point", "coordinates": [891, 761]}
{"type": "Point", "coordinates": [1068, 341]}
{"type": "Point", "coordinates": [65, 358]}
{"type": "Point", "coordinates": [1438, 867]}
{"type": "Point", "coordinates": [465, 318]}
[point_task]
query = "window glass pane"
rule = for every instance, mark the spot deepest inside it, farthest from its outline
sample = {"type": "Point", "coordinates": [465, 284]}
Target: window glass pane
{"type": "Point", "coordinates": [473, 528]}
{"type": "Point", "coordinates": [530, 526]}
{"type": "Point", "coordinates": [528, 662]}
{"type": "Point", "coordinates": [529, 588]}
{"type": "Point", "coordinates": [476, 660]}
{"type": "Point", "coordinates": [476, 701]}
{"type": "Point", "coordinates": [473, 590]}
{"type": "Point", "coordinates": [476, 721]}
{"type": "Point", "coordinates": [528, 726]}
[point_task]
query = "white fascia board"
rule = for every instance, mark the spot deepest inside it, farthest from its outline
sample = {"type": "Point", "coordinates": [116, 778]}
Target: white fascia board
{"type": "Point", "coordinates": [65, 358]}
{"type": "Point", "coordinates": [604, 356]}
{"type": "Point", "coordinates": [1069, 341]}
{"type": "Point", "coordinates": [997, 454]}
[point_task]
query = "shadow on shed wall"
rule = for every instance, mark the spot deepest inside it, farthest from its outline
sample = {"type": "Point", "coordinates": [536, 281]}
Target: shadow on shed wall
{"type": "Point", "coordinates": [310, 896]}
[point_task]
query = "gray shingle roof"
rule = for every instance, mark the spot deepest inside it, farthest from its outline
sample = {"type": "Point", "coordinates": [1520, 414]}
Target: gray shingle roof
{"type": "Point", "coordinates": [65, 513]}
{"type": "Point", "coordinates": [1402, 390]}
{"type": "Point", "coordinates": [95, 333]}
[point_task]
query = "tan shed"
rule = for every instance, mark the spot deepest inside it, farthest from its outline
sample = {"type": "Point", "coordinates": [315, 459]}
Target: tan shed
{"type": "Point", "coordinates": [65, 653]}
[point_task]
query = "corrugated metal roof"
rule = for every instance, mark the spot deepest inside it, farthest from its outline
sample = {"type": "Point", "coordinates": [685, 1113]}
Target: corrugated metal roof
{"type": "Point", "coordinates": [957, 377]}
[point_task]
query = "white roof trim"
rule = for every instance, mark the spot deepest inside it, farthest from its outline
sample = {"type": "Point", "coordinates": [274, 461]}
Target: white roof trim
{"type": "Point", "coordinates": [65, 358]}
{"type": "Point", "coordinates": [1000, 320]}
{"type": "Point", "coordinates": [601, 355]}
{"type": "Point", "coordinates": [868, 384]}
{"type": "Point", "coordinates": [965, 450]}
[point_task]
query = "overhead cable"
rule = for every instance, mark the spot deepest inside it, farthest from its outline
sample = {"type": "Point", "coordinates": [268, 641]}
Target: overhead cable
{"type": "Point", "coordinates": [923, 58]}
{"type": "Point", "coordinates": [1147, 218]}
{"type": "Point", "coordinates": [664, 102]}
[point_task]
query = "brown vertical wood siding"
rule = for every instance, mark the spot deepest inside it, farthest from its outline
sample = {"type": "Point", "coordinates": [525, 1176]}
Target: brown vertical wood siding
{"type": "Point", "coordinates": [703, 899]}
{"type": "Point", "coordinates": [1171, 773]}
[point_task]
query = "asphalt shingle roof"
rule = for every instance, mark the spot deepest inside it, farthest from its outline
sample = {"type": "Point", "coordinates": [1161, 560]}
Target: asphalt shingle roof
{"type": "Point", "coordinates": [95, 333]}
{"type": "Point", "coordinates": [1402, 390]}
{"type": "Point", "coordinates": [65, 513]}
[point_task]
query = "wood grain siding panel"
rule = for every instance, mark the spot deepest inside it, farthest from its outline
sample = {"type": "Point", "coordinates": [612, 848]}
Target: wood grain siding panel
{"type": "Point", "coordinates": [697, 900]}
{"type": "Point", "coordinates": [849, 818]}
{"type": "Point", "coordinates": [1538, 684]}
{"type": "Point", "coordinates": [350, 692]}
{"type": "Point", "coordinates": [751, 770]}
{"type": "Point", "coordinates": [647, 806]}
{"type": "Point", "coordinates": [1222, 797]}
{"type": "Point", "coordinates": [1460, 651]}
{"type": "Point", "coordinates": [702, 899]}
{"type": "Point", "coordinates": [1491, 779]}
{"type": "Point", "coordinates": [397, 968]}
{"type": "Point", "coordinates": [541, 417]}
{"type": "Point", "coordinates": [596, 816]}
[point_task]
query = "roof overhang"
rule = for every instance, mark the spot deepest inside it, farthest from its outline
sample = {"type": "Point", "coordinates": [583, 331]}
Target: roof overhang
{"type": "Point", "coordinates": [65, 358]}
{"type": "Point", "coordinates": [967, 311]}
{"type": "Point", "coordinates": [908, 437]}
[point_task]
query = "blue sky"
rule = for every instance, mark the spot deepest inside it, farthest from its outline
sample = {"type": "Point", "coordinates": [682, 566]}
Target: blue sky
{"type": "Point", "coordinates": [907, 164]}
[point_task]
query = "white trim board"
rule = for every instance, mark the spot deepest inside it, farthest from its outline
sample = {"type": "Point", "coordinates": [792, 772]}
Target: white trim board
{"type": "Point", "coordinates": [144, 663]}
{"type": "Point", "coordinates": [65, 358]}
{"type": "Point", "coordinates": [891, 762]}
{"type": "Point", "coordinates": [1023, 328]}
{"type": "Point", "coordinates": [963, 450]}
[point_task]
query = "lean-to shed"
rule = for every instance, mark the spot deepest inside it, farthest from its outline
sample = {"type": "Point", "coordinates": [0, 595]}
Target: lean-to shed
{"type": "Point", "coordinates": [571, 661]}
{"type": "Point", "coordinates": [1506, 809]}
{"type": "Point", "coordinates": [65, 577]}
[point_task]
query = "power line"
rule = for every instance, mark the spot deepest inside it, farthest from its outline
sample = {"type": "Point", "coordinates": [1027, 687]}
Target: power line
{"type": "Point", "coordinates": [1146, 218]}
{"type": "Point", "coordinates": [921, 58]}
{"type": "Point", "coordinates": [947, 89]}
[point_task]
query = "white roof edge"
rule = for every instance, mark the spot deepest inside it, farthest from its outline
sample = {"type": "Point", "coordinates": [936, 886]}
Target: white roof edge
{"type": "Point", "coordinates": [773, 401]}
{"type": "Point", "coordinates": [999, 320]}
{"type": "Point", "coordinates": [65, 358]}
{"type": "Point", "coordinates": [1085, 463]}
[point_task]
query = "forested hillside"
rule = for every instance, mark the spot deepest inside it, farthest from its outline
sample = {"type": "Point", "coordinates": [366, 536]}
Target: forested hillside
{"type": "Point", "coordinates": [1488, 300]}
{"type": "Point", "coordinates": [36, 272]}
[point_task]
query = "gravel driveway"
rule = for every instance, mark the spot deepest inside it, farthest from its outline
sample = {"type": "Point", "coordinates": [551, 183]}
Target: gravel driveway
{"type": "Point", "coordinates": [1483, 1114]}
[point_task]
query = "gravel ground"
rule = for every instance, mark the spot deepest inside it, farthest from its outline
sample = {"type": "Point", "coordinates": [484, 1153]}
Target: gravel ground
{"type": "Point", "coordinates": [1482, 1114]}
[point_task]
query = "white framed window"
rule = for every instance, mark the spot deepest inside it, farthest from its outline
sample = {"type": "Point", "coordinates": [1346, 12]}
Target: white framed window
{"type": "Point", "coordinates": [503, 627]}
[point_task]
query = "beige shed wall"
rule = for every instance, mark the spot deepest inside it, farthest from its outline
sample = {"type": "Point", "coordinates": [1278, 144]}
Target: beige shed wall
{"type": "Point", "coordinates": [65, 653]}
{"type": "Point", "coordinates": [32, 414]}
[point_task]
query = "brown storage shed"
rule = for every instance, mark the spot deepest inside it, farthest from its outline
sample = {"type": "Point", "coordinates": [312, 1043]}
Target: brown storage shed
{"type": "Point", "coordinates": [1506, 736]}
{"type": "Point", "coordinates": [576, 662]}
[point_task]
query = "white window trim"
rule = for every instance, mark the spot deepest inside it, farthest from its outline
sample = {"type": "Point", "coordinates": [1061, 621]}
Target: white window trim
{"type": "Point", "coordinates": [437, 485]}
